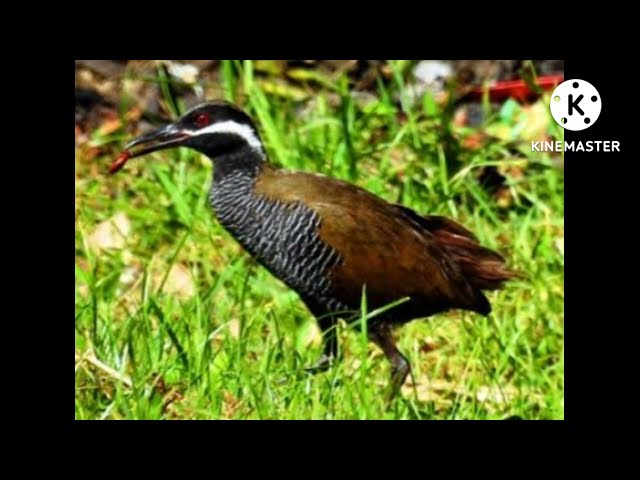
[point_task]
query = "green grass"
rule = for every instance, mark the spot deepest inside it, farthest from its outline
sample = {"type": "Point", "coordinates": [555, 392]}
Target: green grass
{"type": "Point", "coordinates": [232, 341]}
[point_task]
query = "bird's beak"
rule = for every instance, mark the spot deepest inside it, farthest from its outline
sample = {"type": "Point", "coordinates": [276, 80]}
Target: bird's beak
{"type": "Point", "coordinates": [165, 137]}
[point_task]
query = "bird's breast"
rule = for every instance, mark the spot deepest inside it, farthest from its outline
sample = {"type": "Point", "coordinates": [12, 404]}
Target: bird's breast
{"type": "Point", "coordinates": [281, 236]}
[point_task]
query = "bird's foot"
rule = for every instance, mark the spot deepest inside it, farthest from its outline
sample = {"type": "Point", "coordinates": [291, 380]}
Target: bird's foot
{"type": "Point", "coordinates": [322, 365]}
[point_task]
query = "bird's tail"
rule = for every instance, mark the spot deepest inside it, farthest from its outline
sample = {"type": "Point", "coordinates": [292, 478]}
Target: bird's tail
{"type": "Point", "coordinates": [483, 268]}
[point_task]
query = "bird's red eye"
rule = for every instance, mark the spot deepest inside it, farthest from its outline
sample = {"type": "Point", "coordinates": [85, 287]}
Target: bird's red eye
{"type": "Point", "coordinates": [202, 120]}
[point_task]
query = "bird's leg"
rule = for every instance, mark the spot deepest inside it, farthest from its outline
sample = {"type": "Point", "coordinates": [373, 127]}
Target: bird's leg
{"type": "Point", "coordinates": [327, 324]}
{"type": "Point", "coordinates": [380, 333]}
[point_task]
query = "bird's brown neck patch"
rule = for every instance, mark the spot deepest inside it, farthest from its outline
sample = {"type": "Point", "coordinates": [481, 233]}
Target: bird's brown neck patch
{"type": "Point", "coordinates": [276, 184]}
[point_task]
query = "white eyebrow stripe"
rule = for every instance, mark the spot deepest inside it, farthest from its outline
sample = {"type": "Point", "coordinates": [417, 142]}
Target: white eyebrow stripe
{"type": "Point", "coordinates": [234, 128]}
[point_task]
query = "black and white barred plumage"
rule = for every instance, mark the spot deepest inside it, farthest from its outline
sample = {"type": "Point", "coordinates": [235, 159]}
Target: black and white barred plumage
{"type": "Point", "coordinates": [281, 236]}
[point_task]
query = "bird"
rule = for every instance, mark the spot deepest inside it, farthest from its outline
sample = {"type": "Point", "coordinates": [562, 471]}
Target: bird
{"type": "Point", "coordinates": [329, 240]}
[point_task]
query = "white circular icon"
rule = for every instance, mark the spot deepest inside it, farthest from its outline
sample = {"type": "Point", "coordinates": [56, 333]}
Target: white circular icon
{"type": "Point", "coordinates": [575, 104]}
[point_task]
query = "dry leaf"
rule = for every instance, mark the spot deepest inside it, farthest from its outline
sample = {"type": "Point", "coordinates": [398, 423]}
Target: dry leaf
{"type": "Point", "coordinates": [111, 234]}
{"type": "Point", "coordinates": [179, 282]}
{"type": "Point", "coordinates": [495, 395]}
{"type": "Point", "coordinates": [110, 126]}
{"type": "Point", "coordinates": [439, 392]}
{"type": "Point", "coordinates": [185, 72]}
{"type": "Point", "coordinates": [234, 328]}
{"type": "Point", "coordinates": [129, 275]}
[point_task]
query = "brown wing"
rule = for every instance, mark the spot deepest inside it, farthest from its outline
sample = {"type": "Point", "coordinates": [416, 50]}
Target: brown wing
{"type": "Point", "coordinates": [379, 245]}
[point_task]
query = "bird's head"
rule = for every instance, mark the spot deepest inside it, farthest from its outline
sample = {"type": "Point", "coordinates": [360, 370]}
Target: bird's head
{"type": "Point", "coordinates": [216, 129]}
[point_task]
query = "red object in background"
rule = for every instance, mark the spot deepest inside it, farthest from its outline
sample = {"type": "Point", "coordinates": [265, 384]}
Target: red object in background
{"type": "Point", "coordinates": [516, 89]}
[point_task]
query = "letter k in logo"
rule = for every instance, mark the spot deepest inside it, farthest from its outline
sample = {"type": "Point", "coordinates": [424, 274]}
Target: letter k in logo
{"type": "Point", "coordinates": [573, 104]}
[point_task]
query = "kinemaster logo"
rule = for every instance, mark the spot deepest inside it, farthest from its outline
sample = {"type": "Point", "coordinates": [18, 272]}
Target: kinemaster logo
{"type": "Point", "coordinates": [576, 105]}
